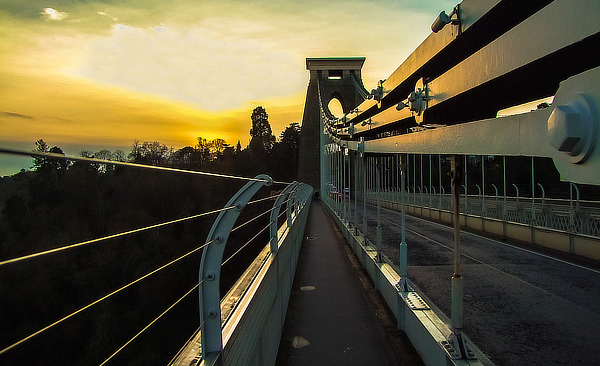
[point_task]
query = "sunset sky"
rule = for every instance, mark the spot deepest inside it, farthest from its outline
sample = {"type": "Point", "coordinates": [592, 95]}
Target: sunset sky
{"type": "Point", "coordinates": [85, 74]}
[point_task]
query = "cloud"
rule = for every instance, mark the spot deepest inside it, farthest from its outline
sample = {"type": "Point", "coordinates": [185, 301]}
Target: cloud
{"type": "Point", "coordinates": [15, 115]}
{"type": "Point", "coordinates": [52, 14]}
{"type": "Point", "coordinates": [194, 65]}
{"type": "Point", "coordinates": [105, 14]}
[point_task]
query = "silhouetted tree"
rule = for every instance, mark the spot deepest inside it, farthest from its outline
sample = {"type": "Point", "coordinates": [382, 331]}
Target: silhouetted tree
{"type": "Point", "coordinates": [291, 135]}
{"type": "Point", "coordinates": [118, 155]}
{"type": "Point", "coordinates": [217, 146]}
{"type": "Point", "coordinates": [261, 135]}
{"type": "Point", "coordinates": [290, 145]}
{"type": "Point", "coordinates": [153, 153]}
{"type": "Point", "coordinates": [46, 164]}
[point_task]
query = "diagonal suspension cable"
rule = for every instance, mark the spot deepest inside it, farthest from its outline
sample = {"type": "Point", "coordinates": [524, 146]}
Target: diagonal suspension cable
{"type": "Point", "coordinates": [125, 233]}
{"type": "Point", "coordinates": [246, 244]}
{"type": "Point", "coordinates": [255, 236]}
{"type": "Point", "coordinates": [4, 150]}
{"type": "Point", "coordinates": [263, 199]}
{"type": "Point", "coordinates": [251, 220]}
{"type": "Point", "coordinates": [102, 299]}
{"type": "Point", "coordinates": [256, 217]}
{"type": "Point", "coordinates": [152, 322]}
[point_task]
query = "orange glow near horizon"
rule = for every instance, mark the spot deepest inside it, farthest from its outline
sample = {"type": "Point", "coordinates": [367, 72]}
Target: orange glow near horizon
{"type": "Point", "coordinates": [74, 112]}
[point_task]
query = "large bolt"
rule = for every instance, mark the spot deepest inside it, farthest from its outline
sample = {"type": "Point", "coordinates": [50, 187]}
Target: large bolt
{"type": "Point", "coordinates": [565, 130]}
{"type": "Point", "coordinates": [572, 128]}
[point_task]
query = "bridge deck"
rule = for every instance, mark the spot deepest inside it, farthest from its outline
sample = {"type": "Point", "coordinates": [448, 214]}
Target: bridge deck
{"type": "Point", "coordinates": [332, 318]}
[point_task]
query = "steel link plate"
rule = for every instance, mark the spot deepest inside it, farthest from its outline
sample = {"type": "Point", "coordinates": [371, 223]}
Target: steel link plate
{"type": "Point", "coordinates": [414, 301]}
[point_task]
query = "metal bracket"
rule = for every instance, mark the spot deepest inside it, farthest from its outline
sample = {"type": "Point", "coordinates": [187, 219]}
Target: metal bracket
{"type": "Point", "coordinates": [361, 147]}
{"type": "Point", "coordinates": [456, 348]}
{"type": "Point", "coordinates": [403, 285]}
{"type": "Point", "coordinates": [379, 92]}
{"type": "Point", "coordinates": [416, 101]}
{"type": "Point", "coordinates": [275, 214]}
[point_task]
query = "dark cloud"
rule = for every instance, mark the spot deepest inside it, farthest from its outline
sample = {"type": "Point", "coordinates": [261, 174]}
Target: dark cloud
{"type": "Point", "coordinates": [15, 115]}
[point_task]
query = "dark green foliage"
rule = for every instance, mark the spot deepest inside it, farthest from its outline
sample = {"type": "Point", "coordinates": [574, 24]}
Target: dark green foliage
{"type": "Point", "coordinates": [262, 139]}
{"type": "Point", "coordinates": [61, 203]}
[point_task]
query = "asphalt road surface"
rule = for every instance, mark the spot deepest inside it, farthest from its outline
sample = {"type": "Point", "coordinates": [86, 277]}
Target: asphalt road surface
{"type": "Point", "coordinates": [520, 307]}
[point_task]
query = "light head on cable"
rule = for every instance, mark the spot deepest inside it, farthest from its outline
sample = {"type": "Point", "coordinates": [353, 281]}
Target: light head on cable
{"type": "Point", "coordinates": [443, 19]}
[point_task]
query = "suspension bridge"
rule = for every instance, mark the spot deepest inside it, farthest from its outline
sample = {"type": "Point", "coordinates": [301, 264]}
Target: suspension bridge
{"type": "Point", "coordinates": [422, 228]}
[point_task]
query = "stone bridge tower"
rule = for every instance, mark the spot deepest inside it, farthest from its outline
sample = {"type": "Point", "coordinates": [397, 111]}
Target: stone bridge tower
{"type": "Point", "coordinates": [340, 78]}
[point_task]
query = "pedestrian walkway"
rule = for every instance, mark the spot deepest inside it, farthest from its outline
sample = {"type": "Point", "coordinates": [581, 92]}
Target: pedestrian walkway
{"type": "Point", "coordinates": [330, 319]}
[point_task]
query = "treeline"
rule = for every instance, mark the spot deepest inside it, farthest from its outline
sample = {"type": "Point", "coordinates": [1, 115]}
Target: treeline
{"type": "Point", "coordinates": [61, 202]}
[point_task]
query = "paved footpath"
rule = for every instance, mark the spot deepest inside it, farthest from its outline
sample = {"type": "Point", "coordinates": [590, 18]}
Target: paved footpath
{"type": "Point", "coordinates": [331, 318]}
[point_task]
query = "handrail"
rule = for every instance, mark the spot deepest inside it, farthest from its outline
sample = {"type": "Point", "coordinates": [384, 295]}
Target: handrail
{"type": "Point", "coordinates": [275, 214]}
{"type": "Point", "coordinates": [210, 269]}
{"type": "Point", "coordinates": [295, 196]}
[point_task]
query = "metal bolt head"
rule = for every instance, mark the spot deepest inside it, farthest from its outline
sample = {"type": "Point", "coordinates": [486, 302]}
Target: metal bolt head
{"type": "Point", "coordinates": [565, 129]}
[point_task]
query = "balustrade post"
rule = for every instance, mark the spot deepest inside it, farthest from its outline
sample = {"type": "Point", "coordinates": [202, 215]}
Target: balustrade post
{"type": "Point", "coordinates": [571, 212]}
{"type": "Point", "coordinates": [347, 184]}
{"type": "Point", "coordinates": [496, 190]}
{"type": "Point", "coordinates": [483, 211]}
{"type": "Point", "coordinates": [403, 250]}
{"type": "Point", "coordinates": [348, 181]}
{"type": "Point", "coordinates": [364, 220]}
{"type": "Point", "coordinates": [430, 186]}
{"type": "Point", "coordinates": [421, 180]}
{"type": "Point", "coordinates": [341, 204]}
{"type": "Point", "coordinates": [398, 171]}
{"type": "Point", "coordinates": [343, 180]}
{"type": "Point", "coordinates": [457, 278]}
{"type": "Point", "coordinates": [504, 187]}
{"type": "Point", "coordinates": [414, 179]}
{"type": "Point", "coordinates": [544, 210]}
{"type": "Point", "coordinates": [379, 236]}
{"type": "Point", "coordinates": [533, 219]}
{"type": "Point", "coordinates": [355, 217]}
{"type": "Point", "coordinates": [440, 178]}
{"type": "Point", "coordinates": [466, 180]}
{"type": "Point", "coordinates": [480, 199]}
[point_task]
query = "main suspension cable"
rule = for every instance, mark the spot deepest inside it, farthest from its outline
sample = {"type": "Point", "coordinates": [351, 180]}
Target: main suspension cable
{"type": "Point", "coordinates": [5, 150]}
{"type": "Point", "coordinates": [255, 218]}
